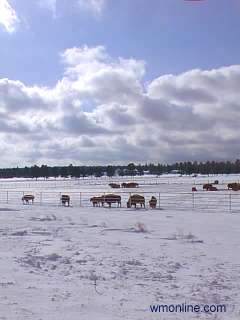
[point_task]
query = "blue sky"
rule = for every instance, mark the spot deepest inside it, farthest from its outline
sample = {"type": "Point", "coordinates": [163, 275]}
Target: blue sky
{"type": "Point", "coordinates": [103, 63]}
{"type": "Point", "coordinates": [171, 36]}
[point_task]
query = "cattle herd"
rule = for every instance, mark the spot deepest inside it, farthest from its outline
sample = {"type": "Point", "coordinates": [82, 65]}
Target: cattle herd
{"type": "Point", "coordinates": [124, 185]}
{"type": "Point", "coordinates": [29, 198]}
{"type": "Point", "coordinates": [98, 201]}
{"type": "Point", "coordinates": [210, 186]}
{"type": "Point", "coordinates": [133, 201]}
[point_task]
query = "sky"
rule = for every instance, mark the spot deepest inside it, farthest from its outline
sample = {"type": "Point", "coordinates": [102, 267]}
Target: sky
{"type": "Point", "coordinates": [113, 82]}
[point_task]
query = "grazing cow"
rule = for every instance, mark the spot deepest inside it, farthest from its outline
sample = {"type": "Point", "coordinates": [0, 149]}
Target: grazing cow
{"type": "Point", "coordinates": [130, 185]}
{"type": "Point", "coordinates": [97, 201]}
{"type": "Point", "coordinates": [153, 202]}
{"type": "Point", "coordinates": [112, 198]}
{"type": "Point", "coordinates": [27, 197]}
{"type": "Point", "coordinates": [65, 199]}
{"type": "Point", "coordinates": [114, 185]}
{"type": "Point", "coordinates": [207, 186]}
{"type": "Point", "coordinates": [194, 189]}
{"type": "Point", "coordinates": [212, 188]}
{"type": "Point", "coordinates": [234, 186]}
{"type": "Point", "coordinates": [134, 200]}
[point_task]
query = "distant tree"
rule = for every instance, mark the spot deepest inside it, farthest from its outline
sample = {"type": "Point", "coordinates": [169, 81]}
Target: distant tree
{"type": "Point", "coordinates": [131, 169]}
{"type": "Point", "coordinates": [44, 171]}
{"type": "Point", "coordinates": [55, 172]}
{"type": "Point", "coordinates": [35, 172]}
{"type": "Point", "coordinates": [121, 172]}
{"type": "Point", "coordinates": [97, 172]}
{"type": "Point", "coordinates": [63, 172]}
{"type": "Point", "coordinates": [71, 171]}
{"type": "Point", "coordinates": [110, 171]}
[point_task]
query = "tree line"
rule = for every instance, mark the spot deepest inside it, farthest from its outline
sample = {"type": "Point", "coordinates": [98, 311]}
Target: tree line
{"type": "Point", "coordinates": [45, 171]}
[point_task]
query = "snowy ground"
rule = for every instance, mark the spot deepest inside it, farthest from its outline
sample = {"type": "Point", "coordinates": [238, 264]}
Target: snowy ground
{"type": "Point", "coordinates": [52, 257]}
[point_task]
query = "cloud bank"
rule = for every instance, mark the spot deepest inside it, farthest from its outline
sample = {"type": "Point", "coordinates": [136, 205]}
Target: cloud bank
{"type": "Point", "coordinates": [102, 111]}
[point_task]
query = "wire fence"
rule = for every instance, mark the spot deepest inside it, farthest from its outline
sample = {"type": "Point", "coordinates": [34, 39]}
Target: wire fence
{"type": "Point", "coordinates": [204, 200]}
{"type": "Point", "coordinates": [104, 181]}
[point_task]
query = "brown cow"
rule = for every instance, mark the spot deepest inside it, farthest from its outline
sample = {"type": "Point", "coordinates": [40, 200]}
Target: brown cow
{"type": "Point", "coordinates": [65, 199]}
{"type": "Point", "coordinates": [134, 200]}
{"type": "Point", "coordinates": [112, 198]}
{"type": "Point", "coordinates": [153, 202]}
{"type": "Point", "coordinates": [114, 185]}
{"type": "Point", "coordinates": [234, 186]}
{"type": "Point", "coordinates": [27, 197]}
{"type": "Point", "coordinates": [207, 186]}
{"type": "Point", "coordinates": [212, 188]}
{"type": "Point", "coordinates": [130, 185]}
{"type": "Point", "coordinates": [96, 201]}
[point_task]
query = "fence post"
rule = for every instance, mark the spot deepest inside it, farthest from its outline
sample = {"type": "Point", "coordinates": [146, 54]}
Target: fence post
{"type": "Point", "coordinates": [230, 202]}
{"type": "Point", "coordinates": [80, 199]}
{"type": "Point", "coordinates": [159, 200]}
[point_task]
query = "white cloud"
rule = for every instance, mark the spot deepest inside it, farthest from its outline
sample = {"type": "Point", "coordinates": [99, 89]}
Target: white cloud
{"type": "Point", "coordinates": [96, 6]}
{"type": "Point", "coordinates": [8, 16]}
{"type": "Point", "coordinates": [101, 110]}
{"type": "Point", "coordinates": [49, 4]}
{"type": "Point", "coordinates": [84, 57]}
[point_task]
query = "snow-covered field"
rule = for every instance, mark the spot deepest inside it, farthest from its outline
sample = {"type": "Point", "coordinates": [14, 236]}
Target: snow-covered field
{"type": "Point", "coordinates": [77, 263]}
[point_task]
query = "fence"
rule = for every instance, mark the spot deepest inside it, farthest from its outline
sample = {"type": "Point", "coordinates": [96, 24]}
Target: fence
{"type": "Point", "coordinates": [104, 181]}
{"type": "Point", "coordinates": [221, 201]}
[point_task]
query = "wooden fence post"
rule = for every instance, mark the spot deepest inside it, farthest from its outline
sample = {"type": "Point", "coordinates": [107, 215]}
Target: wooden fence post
{"type": "Point", "coordinates": [230, 203]}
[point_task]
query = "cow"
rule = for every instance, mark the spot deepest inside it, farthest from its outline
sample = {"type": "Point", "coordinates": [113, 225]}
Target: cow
{"type": "Point", "coordinates": [194, 189]}
{"type": "Point", "coordinates": [130, 185]}
{"type": "Point", "coordinates": [153, 202]}
{"type": "Point", "coordinates": [97, 201]}
{"type": "Point", "coordinates": [28, 197]}
{"type": "Point", "coordinates": [112, 198]}
{"type": "Point", "coordinates": [234, 186]}
{"type": "Point", "coordinates": [212, 188]}
{"type": "Point", "coordinates": [65, 199]}
{"type": "Point", "coordinates": [207, 186]}
{"type": "Point", "coordinates": [136, 199]}
{"type": "Point", "coordinates": [114, 185]}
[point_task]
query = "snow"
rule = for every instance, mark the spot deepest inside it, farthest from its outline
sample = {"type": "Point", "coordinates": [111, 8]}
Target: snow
{"type": "Point", "coordinates": [71, 263]}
